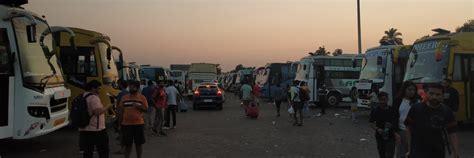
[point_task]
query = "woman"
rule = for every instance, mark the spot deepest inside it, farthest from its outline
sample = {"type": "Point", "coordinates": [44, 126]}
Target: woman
{"type": "Point", "coordinates": [407, 97]}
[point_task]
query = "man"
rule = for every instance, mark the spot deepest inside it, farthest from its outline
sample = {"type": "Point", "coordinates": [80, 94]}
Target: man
{"type": "Point", "coordinates": [159, 96]}
{"type": "Point", "coordinates": [247, 95]}
{"type": "Point", "coordinates": [142, 84]}
{"type": "Point", "coordinates": [172, 100]}
{"type": "Point", "coordinates": [133, 106]}
{"type": "Point", "coordinates": [297, 104]}
{"type": "Point", "coordinates": [279, 97]}
{"type": "Point", "coordinates": [256, 92]}
{"type": "Point", "coordinates": [451, 96]}
{"type": "Point", "coordinates": [95, 133]}
{"type": "Point", "coordinates": [148, 93]}
{"type": "Point", "coordinates": [431, 127]}
{"type": "Point", "coordinates": [383, 119]}
{"type": "Point", "coordinates": [306, 91]}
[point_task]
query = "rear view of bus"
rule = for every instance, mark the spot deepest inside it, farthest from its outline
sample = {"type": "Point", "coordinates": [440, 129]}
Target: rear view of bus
{"type": "Point", "coordinates": [442, 56]}
{"type": "Point", "coordinates": [33, 98]}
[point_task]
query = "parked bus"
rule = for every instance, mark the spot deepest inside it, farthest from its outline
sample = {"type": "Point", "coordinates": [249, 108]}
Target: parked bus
{"type": "Point", "coordinates": [383, 67]}
{"type": "Point", "coordinates": [91, 60]}
{"type": "Point", "coordinates": [122, 66]}
{"type": "Point", "coordinates": [33, 98]}
{"type": "Point", "coordinates": [442, 56]}
{"type": "Point", "coordinates": [332, 77]}
{"type": "Point", "coordinates": [154, 73]}
{"type": "Point", "coordinates": [178, 75]}
{"type": "Point", "coordinates": [200, 73]}
{"type": "Point", "coordinates": [275, 74]}
{"type": "Point", "coordinates": [134, 71]}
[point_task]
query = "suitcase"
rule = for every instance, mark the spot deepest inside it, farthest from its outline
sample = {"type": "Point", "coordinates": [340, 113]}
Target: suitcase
{"type": "Point", "coordinates": [252, 111]}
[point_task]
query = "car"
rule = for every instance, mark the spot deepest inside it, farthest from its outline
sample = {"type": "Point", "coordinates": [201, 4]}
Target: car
{"type": "Point", "coordinates": [208, 95]}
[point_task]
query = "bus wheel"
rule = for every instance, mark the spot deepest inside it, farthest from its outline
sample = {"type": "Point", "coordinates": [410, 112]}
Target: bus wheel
{"type": "Point", "coordinates": [333, 99]}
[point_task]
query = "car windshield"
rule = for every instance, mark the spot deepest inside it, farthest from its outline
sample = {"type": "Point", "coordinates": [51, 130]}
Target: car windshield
{"type": "Point", "coordinates": [374, 64]}
{"type": "Point", "coordinates": [423, 65]}
{"type": "Point", "coordinates": [34, 63]}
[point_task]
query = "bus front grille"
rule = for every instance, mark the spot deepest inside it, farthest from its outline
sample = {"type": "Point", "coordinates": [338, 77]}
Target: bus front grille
{"type": "Point", "coordinates": [57, 105]}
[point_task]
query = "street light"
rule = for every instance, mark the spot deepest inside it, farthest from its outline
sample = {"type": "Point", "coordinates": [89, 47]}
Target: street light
{"type": "Point", "coordinates": [358, 27]}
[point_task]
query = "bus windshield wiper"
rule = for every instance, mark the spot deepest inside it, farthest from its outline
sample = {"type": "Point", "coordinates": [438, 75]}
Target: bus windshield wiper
{"type": "Point", "coordinates": [44, 81]}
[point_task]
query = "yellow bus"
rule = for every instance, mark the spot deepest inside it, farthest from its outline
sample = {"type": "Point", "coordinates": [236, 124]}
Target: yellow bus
{"type": "Point", "coordinates": [445, 55]}
{"type": "Point", "coordinates": [90, 60]}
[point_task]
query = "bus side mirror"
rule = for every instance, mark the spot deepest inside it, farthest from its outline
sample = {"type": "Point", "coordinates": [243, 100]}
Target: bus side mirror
{"type": "Point", "coordinates": [31, 33]}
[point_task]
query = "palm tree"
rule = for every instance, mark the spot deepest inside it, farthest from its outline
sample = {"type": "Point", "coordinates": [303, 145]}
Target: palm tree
{"type": "Point", "coordinates": [467, 27]}
{"type": "Point", "coordinates": [392, 37]}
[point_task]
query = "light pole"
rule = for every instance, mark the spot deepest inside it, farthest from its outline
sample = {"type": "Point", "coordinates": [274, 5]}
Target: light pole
{"type": "Point", "coordinates": [358, 27]}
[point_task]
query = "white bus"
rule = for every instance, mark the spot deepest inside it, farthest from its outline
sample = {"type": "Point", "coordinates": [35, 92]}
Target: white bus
{"type": "Point", "coordinates": [383, 67]}
{"type": "Point", "coordinates": [200, 73]}
{"type": "Point", "coordinates": [33, 98]}
{"type": "Point", "coordinates": [336, 73]}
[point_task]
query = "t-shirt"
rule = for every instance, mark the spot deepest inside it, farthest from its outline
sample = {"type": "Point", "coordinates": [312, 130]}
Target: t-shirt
{"type": "Point", "coordinates": [148, 93]}
{"type": "Point", "coordinates": [384, 118]}
{"type": "Point", "coordinates": [93, 103]}
{"type": "Point", "coordinates": [159, 96]}
{"type": "Point", "coordinates": [131, 114]}
{"type": "Point", "coordinates": [373, 98]}
{"type": "Point", "coordinates": [256, 90]}
{"type": "Point", "coordinates": [403, 112]}
{"type": "Point", "coordinates": [246, 91]}
{"type": "Point", "coordinates": [172, 95]}
{"type": "Point", "coordinates": [428, 126]}
{"type": "Point", "coordinates": [121, 94]}
{"type": "Point", "coordinates": [295, 91]}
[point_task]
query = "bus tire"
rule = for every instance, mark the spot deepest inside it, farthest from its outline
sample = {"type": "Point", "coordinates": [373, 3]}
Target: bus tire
{"type": "Point", "coordinates": [333, 99]}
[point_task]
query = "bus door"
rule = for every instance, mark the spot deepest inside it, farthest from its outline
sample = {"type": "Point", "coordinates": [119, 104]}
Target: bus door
{"type": "Point", "coordinates": [6, 84]}
{"type": "Point", "coordinates": [464, 73]}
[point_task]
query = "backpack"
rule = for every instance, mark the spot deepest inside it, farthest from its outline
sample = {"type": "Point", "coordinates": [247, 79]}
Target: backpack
{"type": "Point", "coordinates": [303, 95]}
{"type": "Point", "coordinates": [79, 114]}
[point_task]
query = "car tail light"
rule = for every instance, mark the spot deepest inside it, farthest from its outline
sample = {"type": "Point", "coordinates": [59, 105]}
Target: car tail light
{"type": "Point", "coordinates": [196, 93]}
{"type": "Point", "coordinates": [219, 93]}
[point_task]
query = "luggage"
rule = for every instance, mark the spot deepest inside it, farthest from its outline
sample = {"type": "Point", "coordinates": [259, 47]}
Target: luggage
{"type": "Point", "coordinates": [252, 111]}
{"type": "Point", "coordinates": [183, 107]}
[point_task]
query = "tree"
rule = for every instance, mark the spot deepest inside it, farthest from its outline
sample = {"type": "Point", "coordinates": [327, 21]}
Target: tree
{"type": "Point", "coordinates": [391, 37]}
{"type": "Point", "coordinates": [467, 27]}
{"type": "Point", "coordinates": [337, 52]}
{"type": "Point", "coordinates": [321, 52]}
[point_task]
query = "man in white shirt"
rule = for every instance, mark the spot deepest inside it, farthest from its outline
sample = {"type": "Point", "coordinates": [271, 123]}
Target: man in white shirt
{"type": "Point", "coordinates": [173, 96]}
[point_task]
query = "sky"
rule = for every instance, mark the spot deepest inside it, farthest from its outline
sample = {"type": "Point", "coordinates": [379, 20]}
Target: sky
{"type": "Point", "coordinates": [248, 32]}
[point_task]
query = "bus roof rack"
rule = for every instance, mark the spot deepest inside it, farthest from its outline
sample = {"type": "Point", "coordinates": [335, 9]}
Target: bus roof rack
{"type": "Point", "coordinates": [440, 31]}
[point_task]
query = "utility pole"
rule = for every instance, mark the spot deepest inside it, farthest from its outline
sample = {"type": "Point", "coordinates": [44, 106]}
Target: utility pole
{"type": "Point", "coordinates": [358, 27]}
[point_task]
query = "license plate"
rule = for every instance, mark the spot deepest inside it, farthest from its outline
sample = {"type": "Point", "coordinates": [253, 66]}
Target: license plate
{"type": "Point", "coordinates": [207, 100]}
{"type": "Point", "coordinates": [59, 121]}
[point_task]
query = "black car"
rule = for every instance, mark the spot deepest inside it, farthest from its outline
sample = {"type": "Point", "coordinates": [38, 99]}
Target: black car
{"type": "Point", "coordinates": [208, 95]}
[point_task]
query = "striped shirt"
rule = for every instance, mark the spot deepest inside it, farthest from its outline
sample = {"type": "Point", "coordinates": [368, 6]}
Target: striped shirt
{"type": "Point", "coordinates": [131, 114]}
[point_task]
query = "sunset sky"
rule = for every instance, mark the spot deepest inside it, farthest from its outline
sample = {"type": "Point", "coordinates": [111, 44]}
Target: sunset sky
{"type": "Point", "coordinates": [249, 32]}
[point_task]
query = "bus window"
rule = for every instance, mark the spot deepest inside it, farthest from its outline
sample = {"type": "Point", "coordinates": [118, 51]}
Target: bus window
{"type": "Point", "coordinates": [4, 77]}
{"type": "Point", "coordinates": [457, 72]}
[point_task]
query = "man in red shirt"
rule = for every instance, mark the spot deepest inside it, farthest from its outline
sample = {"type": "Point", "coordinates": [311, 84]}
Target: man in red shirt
{"type": "Point", "coordinates": [256, 93]}
{"type": "Point", "coordinates": [159, 96]}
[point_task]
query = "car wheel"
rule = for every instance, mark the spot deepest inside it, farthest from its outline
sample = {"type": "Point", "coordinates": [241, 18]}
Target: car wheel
{"type": "Point", "coordinates": [333, 99]}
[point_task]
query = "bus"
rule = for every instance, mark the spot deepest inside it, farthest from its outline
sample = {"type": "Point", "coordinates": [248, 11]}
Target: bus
{"type": "Point", "coordinates": [122, 65]}
{"type": "Point", "coordinates": [332, 77]}
{"type": "Point", "coordinates": [384, 67]}
{"type": "Point", "coordinates": [33, 97]}
{"type": "Point", "coordinates": [442, 56]}
{"type": "Point", "coordinates": [134, 71]}
{"type": "Point", "coordinates": [92, 59]}
{"type": "Point", "coordinates": [275, 74]}
{"type": "Point", "coordinates": [154, 73]}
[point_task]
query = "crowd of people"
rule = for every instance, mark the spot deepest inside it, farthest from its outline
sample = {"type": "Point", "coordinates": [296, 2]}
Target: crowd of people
{"type": "Point", "coordinates": [411, 126]}
{"type": "Point", "coordinates": [140, 106]}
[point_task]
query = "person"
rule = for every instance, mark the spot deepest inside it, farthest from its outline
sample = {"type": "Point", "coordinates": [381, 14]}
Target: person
{"type": "Point", "coordinates": [323, 101]}
{"type": "Point", "coordinates": [173, 97]}
{"type": "Point", "coordinates": [354, 107]}
{"type": "Point", "coordinates": [148, 93]}
{"type": "Point", "coordinates": [95, 133]}
{"type": "Point", "coordinates": [247, 95]}
{"type": "Point", "coordinates": [373, 96]}
{"type": "Point", "coordinates": [256, 93]}
{"type": "Point", "coordinates": [297, 104]}
{"type": "Point", "coordinates": [451, 95]}
{"type": "Point", "coordinates": [383, 119]}
{"type": "Point", "coordinates": [305, 88]}
{"type": "Point", "coordinates": [123, 86]}
{"type": "Point", "coordinates": [431, 127]}
{"type": "Point", "coordinates": [279, 97]}
{"type": "Point", "coordinates": [133, 106]}
{"type": "Point", "coordinates": [405, 99]}
{"type": "Point", "coordinates": [159, 96]}
{"type": "Point", "coordinates": [142, 84]}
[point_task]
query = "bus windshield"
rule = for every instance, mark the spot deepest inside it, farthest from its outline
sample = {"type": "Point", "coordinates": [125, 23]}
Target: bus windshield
{"type": "Point", "coordinates": [176, 73]}
{"type": "Point", "coordinates": [34, 64]}
{"type": "Point", "coordinates": [374, 65]}
{"type": "Point", "coordinates": [423, 66]}
{"type": "Point", "coordinates": [154, 74]}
